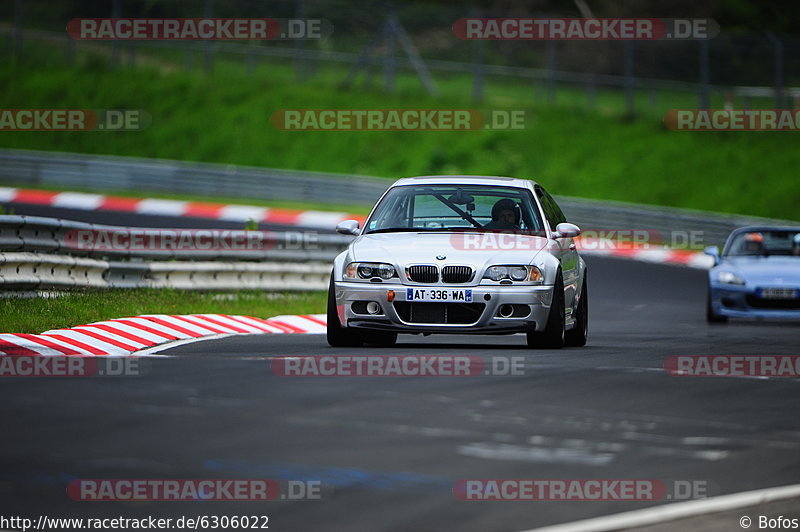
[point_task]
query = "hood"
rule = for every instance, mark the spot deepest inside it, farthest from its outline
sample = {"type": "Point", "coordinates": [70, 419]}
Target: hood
{"type": "Point", "coordinates": [775, 270]}
{"type": "Point", "coordinates": [476, 249]}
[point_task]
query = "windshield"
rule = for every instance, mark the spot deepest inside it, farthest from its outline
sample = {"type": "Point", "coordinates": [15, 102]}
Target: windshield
{"type": "Point", "coordinates": [455, 208]}
{"type": "Point", "coordinates": [761, 243]}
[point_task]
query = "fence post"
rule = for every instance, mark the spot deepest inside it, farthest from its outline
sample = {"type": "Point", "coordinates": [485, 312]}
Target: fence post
{"type": "Point", "coordinates": [419, 66]}
{"type": "Point", "coordinates": [18, 28]}
{"type": "Point", "coordinates": [591, 92]}
{"type": "Point", "coordinates": [478, 80]}
{"type": "Point", "coordinates": [552, 64]}
{"type": "Point", "coordinates": [208, 12]}
{"type": "Point", "coordinates": [705, 75]}
{"type": "Point", "coordinates": [628, 59]}
{"type": "Point", "coordinates": [250, 61]}
{"type": "Point", "coordinates": [778, 69]}
{"type": "Point", "coordinates": [188, 57]}
{"type": "Point", "coordinates": [131, 53]}
{"type": "Point", "coordinates": [388, 56]}
{"type": "Point", "coordinates": [116, 12]}
{"type": "Point", "coordinates": [70, 50]}
{"type": "Point", "coordinates": [300, 46]}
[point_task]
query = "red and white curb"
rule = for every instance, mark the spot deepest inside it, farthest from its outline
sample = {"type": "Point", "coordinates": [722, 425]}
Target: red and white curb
{"type": "Point", "coordinates": [126, 336]}
{"type": "Point", "coordinates": [649, 253]}
{"type": "Point", "coordinates": [177, 208]}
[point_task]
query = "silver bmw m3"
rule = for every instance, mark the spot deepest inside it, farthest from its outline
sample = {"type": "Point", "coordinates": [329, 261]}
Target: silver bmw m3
{"type": "Point", "coordinates": [460, 254]}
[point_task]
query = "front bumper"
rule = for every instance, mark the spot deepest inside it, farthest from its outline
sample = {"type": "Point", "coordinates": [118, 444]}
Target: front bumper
{"type": "Point", "coordinates": [537, 298]}
{"type": "Point", "coordinates": [736, 301]}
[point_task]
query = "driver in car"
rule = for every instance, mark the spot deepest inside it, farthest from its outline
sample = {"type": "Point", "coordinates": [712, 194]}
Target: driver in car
{"type": "Point", "coordinates": [754, 244]}
{"type": "Point", "coordinates": [505, 216]}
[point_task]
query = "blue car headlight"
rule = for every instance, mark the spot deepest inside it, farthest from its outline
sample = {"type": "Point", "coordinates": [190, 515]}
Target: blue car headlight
{"type": "Point", "coordinates": [729, 278]}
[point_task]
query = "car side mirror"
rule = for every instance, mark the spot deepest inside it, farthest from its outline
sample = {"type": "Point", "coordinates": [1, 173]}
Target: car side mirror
{"type": "Point", "coordinates": [348, 227]}
{"type": "Point", "coordinates": [567, 230]}
{"type": "Point", "coordinates": [712, 251]}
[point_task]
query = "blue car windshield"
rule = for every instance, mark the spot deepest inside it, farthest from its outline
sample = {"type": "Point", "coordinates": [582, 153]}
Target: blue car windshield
{"type": "Point", "coordinates": [766, 243]}
{"type": "Point", "coordinates": [456, 208]}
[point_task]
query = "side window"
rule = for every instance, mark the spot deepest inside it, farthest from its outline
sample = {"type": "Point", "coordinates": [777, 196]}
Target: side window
{"type": "Point", "coordinates": [556, 209]}
{"type": "Point", "coordinates": [551, 211]}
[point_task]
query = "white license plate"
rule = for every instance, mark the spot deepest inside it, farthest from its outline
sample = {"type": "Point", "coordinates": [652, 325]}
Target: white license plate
{"type": "Point", "coordinates": [777, 293]}
{"type": "Point", "coordinates": [439, 294]}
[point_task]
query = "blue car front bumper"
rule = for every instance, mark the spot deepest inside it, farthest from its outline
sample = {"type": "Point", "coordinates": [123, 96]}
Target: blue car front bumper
{"type": "Point", "coordinates": [736, 301]}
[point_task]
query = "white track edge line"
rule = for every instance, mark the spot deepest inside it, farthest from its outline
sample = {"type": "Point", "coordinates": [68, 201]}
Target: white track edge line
{"type": "Point", "coordinates": [176, 343]}
{"type": "Point", "coordinates": [674, 511]}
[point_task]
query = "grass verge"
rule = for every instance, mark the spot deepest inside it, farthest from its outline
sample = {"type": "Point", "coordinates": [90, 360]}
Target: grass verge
{"type": "Point", "coordinates": [40, 314]}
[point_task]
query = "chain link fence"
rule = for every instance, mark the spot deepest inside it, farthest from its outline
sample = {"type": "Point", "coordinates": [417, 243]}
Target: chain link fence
{"type": "Point", "coordinates": [737, 69]}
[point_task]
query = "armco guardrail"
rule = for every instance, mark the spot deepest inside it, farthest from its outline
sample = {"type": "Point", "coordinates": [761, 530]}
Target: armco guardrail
{"type": "Point", "coordinates": [44, 271]}
{"type": "Point", "coordinates": [39, 234]}
{"type": "Point", "coordinates": [107, 173]}
{"type": "Point", "coordinates": [47, 253]}
{"type": "Point", "coordinates": [41, 270]}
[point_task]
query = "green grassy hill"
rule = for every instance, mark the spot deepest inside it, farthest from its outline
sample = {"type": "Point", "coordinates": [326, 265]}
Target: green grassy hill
{"type": "Point", "coordinates": [572, 150]}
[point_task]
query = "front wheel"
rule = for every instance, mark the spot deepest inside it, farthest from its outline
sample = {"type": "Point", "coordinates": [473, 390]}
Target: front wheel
{"type": "Point", "coordinates": [711, 316]}
{"type": "Point", "coordinates": [553, 335]}
{"type": "Point", "coordinates": [577, 336]}
{"type": "Point", "coordinates": [337, 335]}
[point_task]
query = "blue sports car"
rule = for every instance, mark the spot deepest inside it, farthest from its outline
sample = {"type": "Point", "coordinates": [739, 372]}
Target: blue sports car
{"type": "Point", "coordinates": [757, 275]}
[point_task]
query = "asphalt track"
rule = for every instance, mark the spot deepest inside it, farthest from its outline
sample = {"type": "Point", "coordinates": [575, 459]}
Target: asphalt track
{"type": "Point", "coordinates": [388, 451]}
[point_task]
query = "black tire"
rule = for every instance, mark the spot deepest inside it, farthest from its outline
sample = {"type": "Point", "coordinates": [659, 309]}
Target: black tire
{"type": "Point", "coordinates": [379, 338]}
{"type": "Point", "coordinates": [337, 335]}
{"type": "Point", "coordinates": [553, 335]}
{"type": "Point", "coordinates": [577, 336]}
{"type": "Point", "coordinates": [711, 316]}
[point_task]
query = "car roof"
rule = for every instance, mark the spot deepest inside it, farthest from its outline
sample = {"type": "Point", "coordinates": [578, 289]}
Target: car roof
{"type": "Point", "coordinates": [465, 180]}
{"type": "Point", "coordinates": [757, 228]}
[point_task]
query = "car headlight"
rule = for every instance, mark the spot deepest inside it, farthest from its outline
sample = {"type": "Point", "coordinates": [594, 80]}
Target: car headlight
{"type": "Point", "coordinates": [729, 278]}
{"type": "Point", "coordinates": [518, 273]}
{"type": "Point", "coordinates": [369, 270]}
{"type": "Point", "coordinates": [513, 272]}
{"type": "Point", "coordinates": [496, 273]}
